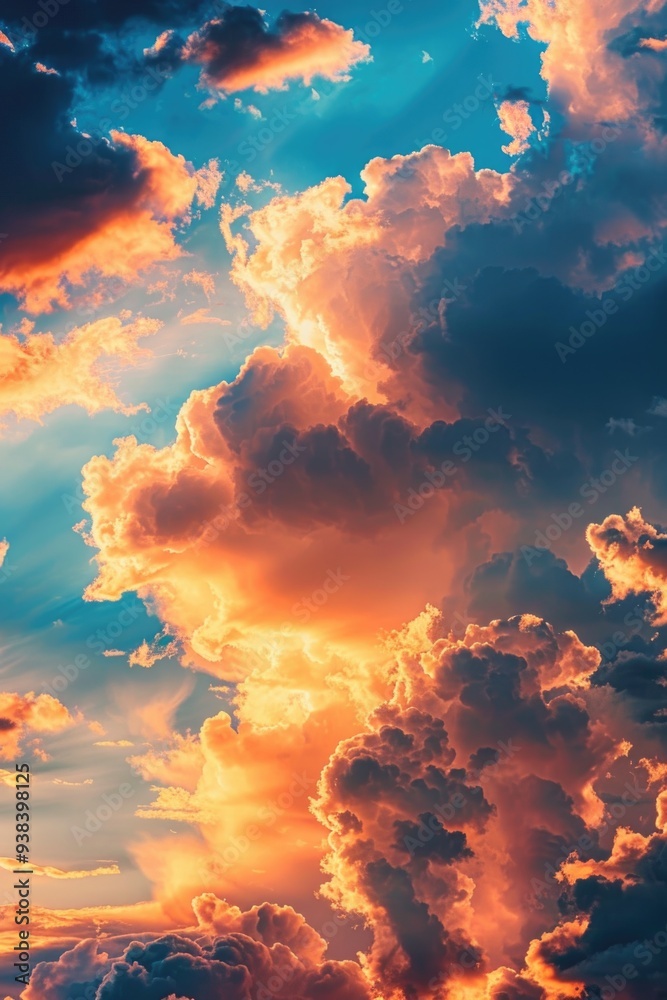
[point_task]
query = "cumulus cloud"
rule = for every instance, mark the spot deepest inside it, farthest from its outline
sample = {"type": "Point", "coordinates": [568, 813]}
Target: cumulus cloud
{"type": "Point", "coordinates": [238, 51]}
{"type": "Point", "coordinates": [585, 73]}
{"type": "Point", "coordinates": [462, 892]}
{"type": "Point", "coordinates": [267, 951]}
{"type": "Point", "coordinates": [372, 241]}
{"type": "Point", "coordinates": [303, 512]}
{"type": "Point", "coordinates": [290, 452]}
{"type": "Point", "coordinates": [632, 555]}
{"type": "Point", "coordinates": [516, 121]}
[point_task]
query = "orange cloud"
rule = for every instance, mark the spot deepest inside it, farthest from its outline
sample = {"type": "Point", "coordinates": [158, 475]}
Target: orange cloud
{"type": "Point", "coordinates": [592, 80]}
{"type": "Point", "coordinates": [241, 799]}
{"type": "Point", "coordinates": [72, 784]}
{"type": "Point", "coordinates": [203, 316]}
{"type": "Point", "coordinates": [9, 864]}
{"type": "Point", "coordinates": [516, 121]}
{"type": "Point", "coordinates": [425, 795]}
{"type": "Point", "coordinates": [209, 178]}
{"type": "Point", "coordinates": [23, 715]}
{"type": "Point", "coordinates": [203, 279]}
{"type": "Point", "coordinates": [38, 375]}
{"type": "Point", "coordinates": [655, 44]}
{"type": "Point", "coordinates": [301, 47]}
{"type": "Point", "coordinates": [631, 554]}
{"type": "Point", "coordinates": [273, 512]}
{"type": "Point", "coordinates": [110, 235]}
{"type": "Point", "coordinates": [335, 270]}
{"type": "Point", "coordinates": [152, 718]}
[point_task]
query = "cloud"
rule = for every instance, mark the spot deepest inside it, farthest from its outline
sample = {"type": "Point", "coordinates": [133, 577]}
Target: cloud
{"type": "Point", "coordinates": [516, 121]}
{"type": "Point", "coordinates": [268, 951]}
{"type": "Point", "coordinates": [39, 374]}
{"type": "Point", "coordinates": [203, 316]}
{"type": "Point", "coordinates": [238, 50]}
{"type": "Point", "coordinates": [323, 475]}
{"type": "Point", "coordinates": [203, 280]}
{"type": "Point", "coordinates": [620, 932]}
{"type": "Point", "coordinates": [585, 74]}
{"type": "Point", "coordinates": [656, 44]}
{"type": "Point", "coordinates": [114, 743]}
{"type": "Point", "coordinates": [72, 784]}
{"type": "Point", "coordinates": [302, 513]}
{"type": "Point", "coordinates": [428, 192]}
{"type": "Point", "coordinates": [152, 718]}
{"type": "Point", "coordinates": [632, 555]}
{"type": "Point", "coordinates": [109, 203]}
{"type": "Point", "coordinates": [424, 839]}
{"type": "Point", "coordinates": [9, 864]}
{"type": "Point", "coordinates": [23, 716]}
{"type": "Point", "coordinates": [148, 654]}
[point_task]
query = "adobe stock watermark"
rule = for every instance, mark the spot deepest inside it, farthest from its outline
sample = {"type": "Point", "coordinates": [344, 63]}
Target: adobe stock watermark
{"type": "Point", "coordinates": [456, 114]}
{"type": "Point", "coordinates": [99, 641]}
{"type": "Point", "coordinates": [94, 820]}
{"type": "Point", "coordinates": [131, 98]}
{"type": "Point", "coordinates": [645, 953]}
{"type": "Point", "coordinates": [154, 419]}
{"type": "Point", "coordinates": [464, 450]}
{"type": "Point", "coordinates": [591, 491]}
{"type": "Point", "coordinates": [387, 353]}
{"type": "Point", "coordinates": [266, 816]}
{"type": "Point", "coordinates": [258, 482]}
{"type": "Point", "coordinates": [378, 21]}
{"type": "Point", "coordinates": [304, 609]}
{"type": "Point", "coordinates": [279, 121]}
{"type": "Point", "coordinates": [32, 23]}
{"type": "Point", "coordinates": [630, 283]}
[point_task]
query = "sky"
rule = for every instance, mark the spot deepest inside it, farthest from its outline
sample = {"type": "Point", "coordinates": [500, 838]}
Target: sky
{"type": "Point", "coordinates": [333, 573]}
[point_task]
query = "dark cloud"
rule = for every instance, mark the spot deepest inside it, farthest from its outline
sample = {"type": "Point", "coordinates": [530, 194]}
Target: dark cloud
{"type": "Point", "coordinates": [642, 681]}
{"type": "Point", "coordinates": [444, 846]}
{"type": "Point", "coordinates": [372, 458]}
{"type": "Point", "coordinates": [536, 581]}
{"type": "Point", "coordinates": [99, 43]}
{"type": "Point", "coordinates": [37, 201]}
{"type": "Point", "coordinates": [238, 49]}
{"type": "Point", "coordinates": [95, 41]}
{"type": "Point", "coordinates": [625, 941]}
{"type": "Point", "coordinates": [234, 966]}
{"type": "Point", "coordinates": [519, 94]}
{"type": "Point", "coordinates": [238, 39]}
{"type": "Point", "coordinates": [72, 202]}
